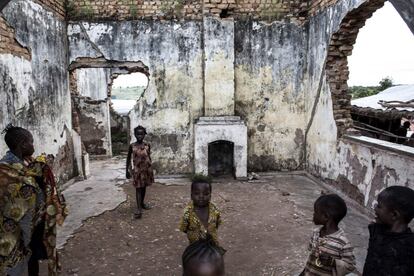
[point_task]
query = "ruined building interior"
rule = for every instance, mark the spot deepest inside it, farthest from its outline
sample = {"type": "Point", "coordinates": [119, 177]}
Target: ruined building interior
{"type": "Point", "coordinates": [260, 85]}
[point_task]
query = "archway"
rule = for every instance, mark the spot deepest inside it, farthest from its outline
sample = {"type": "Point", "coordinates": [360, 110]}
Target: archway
{"type": "Point", "coordinates": [380, 81]}
{"type": "Point", "coordinates": [337, 70]}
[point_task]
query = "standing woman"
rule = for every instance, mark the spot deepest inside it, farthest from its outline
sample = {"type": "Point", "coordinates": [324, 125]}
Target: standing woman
{"type": "Point", "coordinates": [141, 169]}
{"type": "Point", "coordinates": [30, 208]}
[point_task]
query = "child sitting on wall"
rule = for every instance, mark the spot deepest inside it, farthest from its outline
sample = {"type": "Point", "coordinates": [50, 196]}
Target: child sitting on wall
{"type": "Point", "coordinates": [201, 217]}
{"type": "Point", "coordinates": [391, 242]}
{"type": "Point", "coordinates": [330, 251]}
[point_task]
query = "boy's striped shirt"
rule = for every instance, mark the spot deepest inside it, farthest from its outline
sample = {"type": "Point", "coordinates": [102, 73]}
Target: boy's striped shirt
{"type": "Point", "coordinates": [335, 245]}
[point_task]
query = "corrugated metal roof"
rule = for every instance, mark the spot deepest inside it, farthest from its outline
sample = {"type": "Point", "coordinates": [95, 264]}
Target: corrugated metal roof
{"type": "Point", "coordinates": [401, 93]}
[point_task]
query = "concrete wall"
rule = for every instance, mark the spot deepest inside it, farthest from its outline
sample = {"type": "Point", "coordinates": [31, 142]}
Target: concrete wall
{"type": "Point", "coordinates": [92, 83]}
{"type": "Point", "coordinates": [174, 97]}
{"type": "Point", "coordinates": [270, 62]}
{"type": "Point", "coordinates": [34, 90]}
{"type": "Point", "coordinates": [218, 67]}
{"type": "Point", "coordinates": [91, 103]}
{"type": "Point", "coordinates": [360, 169]}
{"type": "Point", "coordinates": [269, 68]}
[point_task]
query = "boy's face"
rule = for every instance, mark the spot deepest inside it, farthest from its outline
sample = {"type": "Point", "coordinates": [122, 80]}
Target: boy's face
{"type": "Point", "coordinates": [319, 217]}
{"type": "Point", "coordinates": [383, 214]}
{"type": "Point", "coordinates": [205, 269]}
{"type": "Point", "coordinates": [140, 134]}
{"type": "Point", "coordinates": [201, 194]}
{"type": "Point", "coordinates": [27, 147]}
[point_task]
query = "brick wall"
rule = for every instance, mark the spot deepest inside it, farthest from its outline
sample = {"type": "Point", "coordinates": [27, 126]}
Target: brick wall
{"type": "Point", "coordinates": [133, 9]}
{"type": "Point", "coordinates": [319, 5]}
{"type": "Point", "coordinates": [337, 72]}
{"type": "Point", "coordinates": [8, 43]}
{"type": "Point", "coordinates": [57, 6]}
{"type": "Point", "coordinates": [258, 9]}
{"type": "Point", "coordinates": [185, 9]}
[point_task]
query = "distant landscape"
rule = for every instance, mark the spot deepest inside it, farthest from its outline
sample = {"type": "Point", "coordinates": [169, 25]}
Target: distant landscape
{"type": "Point", "coordinates": [127, 93]}
{"type": "Point", "coordinates": [365, 91]}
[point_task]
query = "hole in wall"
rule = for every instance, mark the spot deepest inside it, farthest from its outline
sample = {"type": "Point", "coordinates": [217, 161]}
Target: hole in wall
{"type": "Point", "coordinates": [337, 71]}
{"type": "Point", "coordinates": [380, 75]}
{"type": "Point", "coordinates": [224, 13]}
{"type": "Point", "coordinates": [126, 90]}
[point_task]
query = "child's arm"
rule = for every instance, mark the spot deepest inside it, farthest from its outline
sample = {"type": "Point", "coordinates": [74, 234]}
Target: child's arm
{"type": "Point", "coordinates": [219, 221]}
{"type": "Point", "coordinates": [149, 152]}
{"type": "Point", "coordinates": [346, 264]}
{"type": "Point", "coordinates": [184, 221]}
{"type": "Point", "coordinates": [128, 163]}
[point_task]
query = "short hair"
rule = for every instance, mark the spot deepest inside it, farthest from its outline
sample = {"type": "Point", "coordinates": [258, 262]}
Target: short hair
{"type": "Point", "coordinates": [333, 205]}
{"type": "Point", "coordinates": [203, 250]}
{"type": "Point", "coordinates": [140, 128]}
{"type": "Point", "coordinates": [194, 183]}
{"type": "Point", "coordinates": [15, 135]}
{"type": "Point", "coordinates": [407, 124]}
{"type": "Point", "coordinates": [399, 198]}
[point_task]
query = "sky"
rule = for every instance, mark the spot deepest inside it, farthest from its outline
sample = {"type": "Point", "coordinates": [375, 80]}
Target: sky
{"type": "Point", "coordinates": [384, 47]}
{"type": "Point", "coordinates": [130, 80]}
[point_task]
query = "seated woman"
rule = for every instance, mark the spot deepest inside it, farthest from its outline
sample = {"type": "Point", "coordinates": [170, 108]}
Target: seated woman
{"type": "Point", "coordinates": [30, 207]}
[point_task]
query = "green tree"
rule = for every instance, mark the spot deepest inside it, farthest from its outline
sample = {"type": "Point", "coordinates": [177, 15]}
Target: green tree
{"type": "Point", "coordinates": [385, 83]}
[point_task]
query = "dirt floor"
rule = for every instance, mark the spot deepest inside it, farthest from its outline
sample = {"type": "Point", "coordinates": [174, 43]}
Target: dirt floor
{"type": "Point", "coordinates": [266, 227]}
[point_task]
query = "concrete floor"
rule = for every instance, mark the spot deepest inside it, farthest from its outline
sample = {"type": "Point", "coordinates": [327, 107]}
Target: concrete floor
{"type": "Point", "coordinates": [267, 224]}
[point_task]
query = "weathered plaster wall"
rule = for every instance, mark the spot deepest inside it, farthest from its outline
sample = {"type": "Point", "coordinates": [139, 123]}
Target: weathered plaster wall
{"type": "Point", "coordinates": [219, 67]}
{"type": "Point", "coordinates": [91, 103]}
{"type": "Point", "coordinates": [270, 62]}
{"type": "Point", "coordinates": [359, 169]}
{"type": "Point", "coordinates": [94, 121]}
{"type": "Point", "coordinates": [174, 97]}
{"type": "Point", "coordinates": [92, 83]}
{"type": "Point", "coordinates": [406, 10]}
{"type": "Point", "coordinates": [34, 92]}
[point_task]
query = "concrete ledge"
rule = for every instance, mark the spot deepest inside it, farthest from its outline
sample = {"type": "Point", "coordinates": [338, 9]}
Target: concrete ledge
{"type": "Point", "coordinates": [380, 144]}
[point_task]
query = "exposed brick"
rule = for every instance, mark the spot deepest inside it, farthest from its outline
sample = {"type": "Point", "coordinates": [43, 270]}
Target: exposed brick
{"type": "Point", "coordinates": [337, 72]}
{"type": "Point", "coordinates": [8, 42]}
{"type": "Point", "coordinates": [185, 9]}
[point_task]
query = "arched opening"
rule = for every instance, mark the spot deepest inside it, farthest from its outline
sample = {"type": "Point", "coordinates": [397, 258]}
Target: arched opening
{"type": "Point", "coordinates": [126, 90]}
{"type": "Point", "coordinates": [340, 48]}
{"type": "Point", "coordinates": [381, 76]}
{"type": "Point", "coordinates": [220, 158]}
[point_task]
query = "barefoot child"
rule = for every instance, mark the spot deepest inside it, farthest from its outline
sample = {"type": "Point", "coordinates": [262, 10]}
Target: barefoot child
{"type": "Point", "coordinates": [141, 170]}
{"type": "Point", "coordinates": [391, 242]}
{"type": "Point", "coordinates": [330, 250]}
{"type": "Point", "coordinates": [201, 217]}
{"type": "Point", "coordinates": [203, 258]}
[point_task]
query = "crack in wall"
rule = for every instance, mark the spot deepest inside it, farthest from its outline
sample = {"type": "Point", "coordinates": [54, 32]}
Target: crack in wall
{"type": "Point", "coordinates": [92, 44]}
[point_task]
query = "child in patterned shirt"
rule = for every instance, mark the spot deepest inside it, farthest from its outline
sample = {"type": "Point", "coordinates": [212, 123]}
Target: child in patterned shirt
{"type": "Point", "coordinates": [330, 251]}
{"type": "Point", "coordinates": [201, 217]}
